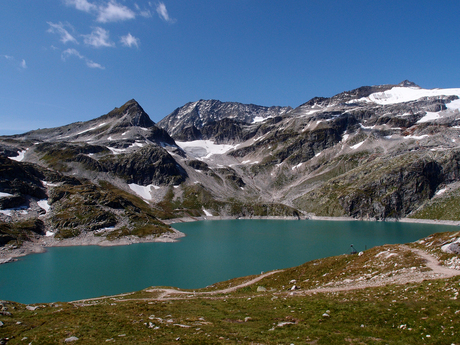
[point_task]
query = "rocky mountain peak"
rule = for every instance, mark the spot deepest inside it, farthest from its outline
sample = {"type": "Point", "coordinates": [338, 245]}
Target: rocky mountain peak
{"type": "Point", "coordinates": [131, 114]}
{"type": "Point", "coordinates": [203, 112]}
{"type": "Point", "coordinates": [407, 83]}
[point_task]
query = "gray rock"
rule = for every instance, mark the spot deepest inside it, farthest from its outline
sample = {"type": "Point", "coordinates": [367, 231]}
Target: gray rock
{"type": "Point", "coordinates": [71, 339]}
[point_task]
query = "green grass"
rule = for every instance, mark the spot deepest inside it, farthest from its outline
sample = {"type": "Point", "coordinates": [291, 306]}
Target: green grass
{"type": "Point", "coordinates": [445, 208]}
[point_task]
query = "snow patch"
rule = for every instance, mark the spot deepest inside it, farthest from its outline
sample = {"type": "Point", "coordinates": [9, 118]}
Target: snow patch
{"type": "Point", "coordinates": [345, 137]}
{"type": "Point", "coordinates": [44, 205]}
{"type": "Point", "coordinates": [19, 157]}
{"type": "Point", "coordinates": [454, 105]}
{"type": "Point", "coordinates": [259, 119]}
{"type": "Point", "coordinates": [430, 116]}
{"type": "Point", "coordinates": [296, 166]}
{"type": "Point", "coordinates": [49, 234]}
{"type": "Point", "coordinates": [2, 194]}
{"type": "Point", "coordinates": [441, 191]}
{"type": "Point", "coordinates": [204, 148]}
{"type": "Point", "coordinates": [116, 151]}
{"type": "Point", "coordinates": [354, 147]}
{"type": "Point", "coordinates": [49, 184]}
{"type": "Point", "coordinates": [207, 213]}
{"type": "Point", "coordinates": [419, 137]}
{"type": "Point", "coordinates": [143, 191]}
{"type": "Point", "coordinates": [92, 128]}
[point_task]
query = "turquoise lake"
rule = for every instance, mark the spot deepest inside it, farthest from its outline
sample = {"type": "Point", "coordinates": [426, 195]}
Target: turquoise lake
{"type": "Point", "coordinates": [212, 251]}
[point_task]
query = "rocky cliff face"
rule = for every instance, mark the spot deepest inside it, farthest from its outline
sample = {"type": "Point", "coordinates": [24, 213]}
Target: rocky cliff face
{"type": "Point", "coordinates": [205, 112]}
{"type": "Point", "coordinates": [376, 152]}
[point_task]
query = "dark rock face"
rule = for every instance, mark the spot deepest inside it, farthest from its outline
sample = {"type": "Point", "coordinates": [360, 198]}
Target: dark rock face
{"type": "Point", "coordinates": [20, 179]}
{"type": "Point", "coordinates": [395, 194]}
{"type": "Point", "coordinates": [189, 134]}
{"type": "Point", "coordinates": [148, 165]}
{"type": "Point", "coordinates": [203, 112]}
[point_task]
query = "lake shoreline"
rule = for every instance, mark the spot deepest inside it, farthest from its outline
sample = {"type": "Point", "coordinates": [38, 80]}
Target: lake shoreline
{"type": "Point", "coordinates": [89, 239]}
{"type": "Point", "coordinates": [338, 219]}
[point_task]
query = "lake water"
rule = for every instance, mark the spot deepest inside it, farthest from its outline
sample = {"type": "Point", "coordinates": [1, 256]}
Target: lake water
{"type": "Point", "coordinates": [212, 251]}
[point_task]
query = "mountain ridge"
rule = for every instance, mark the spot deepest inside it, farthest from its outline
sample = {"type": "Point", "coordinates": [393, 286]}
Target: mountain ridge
{"type": "Point", "coordinates": [375, 152]}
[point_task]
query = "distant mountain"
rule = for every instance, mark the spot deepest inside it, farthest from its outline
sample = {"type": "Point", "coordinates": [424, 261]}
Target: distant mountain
{"type": "Point", "coordinates": [128, 123]}
{"type": "Point", "coordinates": [192, 117]}
{"type": "Point", "coordinates": [375, 152]}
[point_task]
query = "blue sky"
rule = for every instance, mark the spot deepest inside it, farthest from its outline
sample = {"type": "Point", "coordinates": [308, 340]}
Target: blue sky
{"type": "Point", "coordinates": [63, 61]}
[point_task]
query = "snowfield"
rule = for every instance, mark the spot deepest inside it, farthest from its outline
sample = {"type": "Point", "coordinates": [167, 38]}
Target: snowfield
{"type": "Point", "coordinates": [204, 148]}
{"type": "Point", "coordinates": [407, 94]}
{"type": "Point", "coordinates": [143, 191]}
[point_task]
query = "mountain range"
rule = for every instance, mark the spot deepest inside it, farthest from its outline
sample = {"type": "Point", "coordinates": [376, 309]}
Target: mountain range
{"type": "Point", "coordinates": [375, 152]}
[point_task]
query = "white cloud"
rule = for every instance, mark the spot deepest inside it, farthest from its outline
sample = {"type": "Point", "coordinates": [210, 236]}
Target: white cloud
{"type": "Point", "coordinates": [82, 5]}
{"type": "Point", "coordinates": [98, 38]}
{"type": "Point", "coordinates": [113, 12]}
{"type": "Point", "coordinates": [60, 30]}
{"type": "Point", "coordinates": [73, 52]}
{"type": "Point", "coordinates": [14, 62]}
{"type": "Point", "coordinates": [163, 13]}
{"type": "Point", "coordinates": [92, 64]}
{"type": "Point", "coordinates": [129, 40]}
{"type": "Point", "coordinates": [144, 13]}
{"type": "Point", "coordinates": [69, 52]}
{"type": "Point", "coordinates": [105, 11]}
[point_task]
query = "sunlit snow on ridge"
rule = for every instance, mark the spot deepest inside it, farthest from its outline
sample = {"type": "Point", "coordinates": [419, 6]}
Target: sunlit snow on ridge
{"type": "Point", "coordinates": [204, 148]}
{"type": "Point", "coordinates": [407, 94]}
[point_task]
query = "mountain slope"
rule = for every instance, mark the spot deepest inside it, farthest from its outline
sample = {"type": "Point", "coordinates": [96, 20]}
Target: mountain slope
{"type": "Point", "coordinates": [375, 152]}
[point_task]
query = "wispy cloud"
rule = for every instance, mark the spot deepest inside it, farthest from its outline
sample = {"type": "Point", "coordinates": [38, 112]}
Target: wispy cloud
{"type": "Point", "coordinates": [98, 38]}
{"type": "Point", "coordinates": [163, 13]}
{"type": "Point", "coordinates": [82, 5]}
{"type": "Point", "coordinates": [19, 64]}
{"type": "Point", "coordinates": [105, 11]}
{"type": "Point", "coordinates": [73, 52]}
{"type": "Point", "coordinates": [59, 29]}
{"type": "Point", "coordinates": [114, 12]}
{"type": "Point", "coordinates": [144, 13]}
{"type": "Point", "coordinates": [129, 41]}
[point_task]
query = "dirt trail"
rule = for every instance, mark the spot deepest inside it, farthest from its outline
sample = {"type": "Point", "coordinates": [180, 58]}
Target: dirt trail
{"type": "Point", "coordinates": [166, 293]}
{"type": "Point", "coordinates": [437, 272]}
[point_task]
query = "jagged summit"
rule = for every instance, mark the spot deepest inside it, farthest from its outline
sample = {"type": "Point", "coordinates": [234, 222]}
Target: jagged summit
{"type": "Point", "coordinates": [131, 114]}
{"type": "Point", "coordinates": [408, 83]}
{"type": "Point", "coordinates": [121, 126]}
{"type": "Point", "coordinates": [199, 114]}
